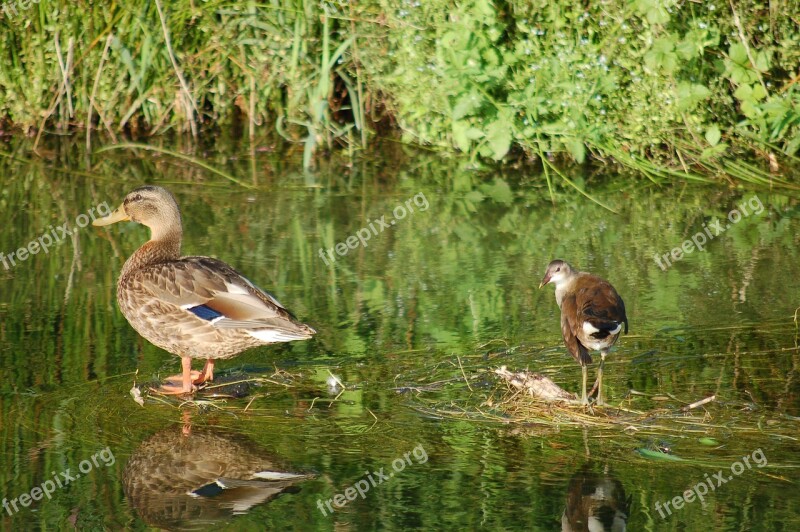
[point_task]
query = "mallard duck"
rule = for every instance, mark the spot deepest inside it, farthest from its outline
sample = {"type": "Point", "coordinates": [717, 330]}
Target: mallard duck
{"type": "Point", "coordinates": [193, 307]}
{"type": "Point", "coordinates": [189, 479]}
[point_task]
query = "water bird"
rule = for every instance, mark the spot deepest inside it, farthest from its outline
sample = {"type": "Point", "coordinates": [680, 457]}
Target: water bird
{"type": "Point", "coordinates": [592, 316]}
{"type": "Point", "coordinates": [192, 307]}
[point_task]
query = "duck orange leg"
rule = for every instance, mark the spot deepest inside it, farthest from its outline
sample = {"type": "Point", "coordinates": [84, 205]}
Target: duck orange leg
{"type": "Point", "coordinates": [186, 378]}
{"type": "Point", "coordinates": [207, 374]}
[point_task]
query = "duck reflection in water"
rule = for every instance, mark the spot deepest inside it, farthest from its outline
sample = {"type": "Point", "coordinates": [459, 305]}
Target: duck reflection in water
{"type": "Point", "coordinates": [193, 477]}
{"type": "Point", "coordinates": [595, 502]}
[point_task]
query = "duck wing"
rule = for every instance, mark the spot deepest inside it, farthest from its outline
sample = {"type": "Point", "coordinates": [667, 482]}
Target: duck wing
{"type": "Point", "coordinates": [208, 289]}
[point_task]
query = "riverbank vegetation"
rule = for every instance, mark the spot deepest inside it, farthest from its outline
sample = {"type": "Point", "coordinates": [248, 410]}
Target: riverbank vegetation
{"type": "Point", "coordinates": [685, 90]}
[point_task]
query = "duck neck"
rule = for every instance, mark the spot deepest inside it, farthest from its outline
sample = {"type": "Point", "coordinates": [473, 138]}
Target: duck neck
{"type": "Point", "coordinates": [158, 250]}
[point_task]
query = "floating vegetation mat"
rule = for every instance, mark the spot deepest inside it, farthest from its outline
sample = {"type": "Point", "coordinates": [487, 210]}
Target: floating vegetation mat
{"type": "Point", "coordinates": [533, 400]}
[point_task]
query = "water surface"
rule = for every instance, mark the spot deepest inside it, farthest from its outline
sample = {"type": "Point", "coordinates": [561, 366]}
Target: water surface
{"type": "Point", "coordinates": [411, 321]}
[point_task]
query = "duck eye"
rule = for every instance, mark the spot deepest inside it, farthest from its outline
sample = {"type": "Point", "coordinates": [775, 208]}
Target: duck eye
{"type": "Point", "coordinates": [137, 197]}
{"type": "Point", "coordinates": [558, 269]}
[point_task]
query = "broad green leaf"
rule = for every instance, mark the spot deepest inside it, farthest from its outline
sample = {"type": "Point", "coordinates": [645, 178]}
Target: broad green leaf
{"type": "Point", "coordinates": [714, 151]}
{"type": "Point", "coordinates": [738, 65]}
{"type": "Point", "coordinates": [750, 93]}
{"type": "Point", "coordinates": [474, 196]}
{"type": "Point", "coordinates": [466, 104]}
{"type": "Point", "coordinates": [576, 148]}
{"type": "Point", "coordinates": [460, 135]}
{"type": "Point", "coordinates": [762, 61]}
{"type": "Point", "coordinates": [738, 54]}
{"type": "Point", "coordinates": [499, 191]}
{"type": "Point", "coordinates": [655, 10]}
{"type": "Point", "coordinates": [713, 135]}
{"type": "Point", "coordinates": [690, 94]}
{"type": "Point", "coordinates": [662, 55]}
{"type": "Point", "coordinates": [498, 133]}
{"type": "Point", "coordinates": [687, 50]}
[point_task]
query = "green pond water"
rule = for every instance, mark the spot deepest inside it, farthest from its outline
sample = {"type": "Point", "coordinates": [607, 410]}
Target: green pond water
{"type": "Point", "coordinates": [413, 322]}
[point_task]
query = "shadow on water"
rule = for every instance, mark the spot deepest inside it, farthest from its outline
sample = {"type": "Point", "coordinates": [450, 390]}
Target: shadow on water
{"type": "Point", "coordinates": [412, 322]}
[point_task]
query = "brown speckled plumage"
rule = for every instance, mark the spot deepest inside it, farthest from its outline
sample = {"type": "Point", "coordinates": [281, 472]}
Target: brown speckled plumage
{"type": "Point", "coordinates": [193, 307]}
{"type": "Point", "coordinates": [151, 297]}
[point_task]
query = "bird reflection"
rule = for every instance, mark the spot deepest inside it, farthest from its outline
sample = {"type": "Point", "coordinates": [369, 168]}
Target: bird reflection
{"type": "Point", "coordinates": [190, 478]}
{"type": "Point", "coordinates": [595, 502]}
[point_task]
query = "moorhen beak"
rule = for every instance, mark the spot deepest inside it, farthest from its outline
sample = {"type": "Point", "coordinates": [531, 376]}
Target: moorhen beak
{"type": "Point", "coordinates": [592, 316]}
{"type": "Point", "coordinates": [545, 280]}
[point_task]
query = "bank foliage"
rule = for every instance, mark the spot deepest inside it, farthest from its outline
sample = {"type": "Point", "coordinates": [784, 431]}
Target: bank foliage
{"type": "Point", "coordinates": [660, 85]}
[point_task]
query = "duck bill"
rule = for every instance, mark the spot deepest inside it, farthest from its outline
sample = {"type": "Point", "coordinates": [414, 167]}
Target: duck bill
{"type": "Point", "coordinates": [544, 281]}
{"type": "Point", "coordinates": [119, 215]}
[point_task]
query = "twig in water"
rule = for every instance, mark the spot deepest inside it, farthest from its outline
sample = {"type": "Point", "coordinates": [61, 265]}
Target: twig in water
{"type": "Point", "coordinates": [701, 402]}
{"type": "Point", "coordinates": [462, 372]}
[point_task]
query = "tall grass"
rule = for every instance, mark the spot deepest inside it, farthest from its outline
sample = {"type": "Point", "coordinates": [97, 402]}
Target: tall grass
{"type": "Point", "coordinates": [674, 90]}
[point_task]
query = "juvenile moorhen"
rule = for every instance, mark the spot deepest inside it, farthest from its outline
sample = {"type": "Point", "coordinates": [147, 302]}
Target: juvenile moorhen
{"type": "Point", "coordinates": [592, 316]}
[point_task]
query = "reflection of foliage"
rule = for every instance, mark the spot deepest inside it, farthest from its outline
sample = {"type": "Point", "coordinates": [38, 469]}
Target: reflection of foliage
{"type": "Point", "coordinates": [441, 282]}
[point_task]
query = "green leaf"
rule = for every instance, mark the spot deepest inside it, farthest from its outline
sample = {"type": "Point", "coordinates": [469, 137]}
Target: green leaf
{"type": "Point", "coordinates": [460, 135]}
{"type": "Point", "coordinates": [713, 135]}
{"type": "Point", "coordinates": [658, 455]}
{"type": "Point", "coordinates": [662, 55]}
{"type": "Point", "coordinates": [738, 54]}
{"type": "Point", "coordinates": [714, 151]}
{"type": "Point", "coordinates": [474, 196]}
{"type": "Point", "coordinates": [474, 133]}
{"type": "Point", "coordinates": [576, 148]}
{"type": "Point", "coordinates": [762, 61]}
{"type": "Point", "coordinates": [499, 191]}
{"type": "Point", "coordinates": [690, 94]}
{"type": "Point", "coordinates": [749, 97]}
{"type": "Point", "coordinates": [654, 10]}
{"type": "Point", "coordinates": [738, 67]}
{"type": "Point", "coordinates": [695, 42]}
{"type": "Point", "coordinates": [687, 50]}
{"type": "Point", "coordinates": [498, 134]}
{"type": "Point", "coordinates": [466, 104]}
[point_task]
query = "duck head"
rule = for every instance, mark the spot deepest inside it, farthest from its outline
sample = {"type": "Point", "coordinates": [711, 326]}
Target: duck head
{"type": "Point", "coordinates": [149, 205]}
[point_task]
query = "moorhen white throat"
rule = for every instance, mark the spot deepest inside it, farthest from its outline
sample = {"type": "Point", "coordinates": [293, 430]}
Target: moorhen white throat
{"type": "Point", "coordinates": [592, 316]}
